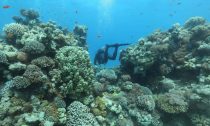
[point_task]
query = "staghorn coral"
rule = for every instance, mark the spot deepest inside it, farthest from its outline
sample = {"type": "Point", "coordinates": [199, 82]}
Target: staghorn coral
{"type": "Point", "coordinates": [77, 72]}
{"type": "Point", "coordinates": [79, 115]}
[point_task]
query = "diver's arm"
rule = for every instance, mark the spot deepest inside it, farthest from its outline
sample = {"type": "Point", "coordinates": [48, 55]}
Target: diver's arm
{"type": "Point", "coordinates": [117, 45]}
{"type": "Point", "coordinates": [124, 44]}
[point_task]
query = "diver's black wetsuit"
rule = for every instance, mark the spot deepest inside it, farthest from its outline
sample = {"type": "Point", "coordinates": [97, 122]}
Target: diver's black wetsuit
{"type": "Point", "coordinates": [102, 56]}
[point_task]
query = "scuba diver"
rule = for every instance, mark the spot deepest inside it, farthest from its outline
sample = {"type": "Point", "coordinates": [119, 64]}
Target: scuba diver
{"type": "Point", "coordinates": [102, 56]}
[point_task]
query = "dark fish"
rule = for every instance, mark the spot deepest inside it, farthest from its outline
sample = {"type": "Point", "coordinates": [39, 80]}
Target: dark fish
{"type": "Point", "coordinates": [179, 3]}
{"type": "Point", "coordinates": [6, 6]}
{"type": "Point", "coordinates": [98, 36]}
{"type": "Point", "coordinates": [171, 15]}
{"type": "Point", "coordinates": [76, 12]}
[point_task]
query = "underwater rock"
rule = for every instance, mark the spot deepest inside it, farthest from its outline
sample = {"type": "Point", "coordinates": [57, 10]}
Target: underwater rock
{"type": "Point", "coordinates": [79, 115]}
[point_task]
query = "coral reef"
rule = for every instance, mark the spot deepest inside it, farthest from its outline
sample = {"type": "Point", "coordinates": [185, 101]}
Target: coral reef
{"type": "Point", "coordinates": [47, 79]}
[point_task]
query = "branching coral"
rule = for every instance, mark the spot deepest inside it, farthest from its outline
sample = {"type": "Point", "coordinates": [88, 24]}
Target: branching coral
{"type": "Point", "coordinates": [14, 31]}
{"type": "Point", "coordinates": [77, 72]}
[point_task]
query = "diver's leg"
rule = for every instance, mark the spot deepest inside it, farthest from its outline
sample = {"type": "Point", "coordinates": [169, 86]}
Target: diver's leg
{"type": "Point", "coordinates": [113, 57]}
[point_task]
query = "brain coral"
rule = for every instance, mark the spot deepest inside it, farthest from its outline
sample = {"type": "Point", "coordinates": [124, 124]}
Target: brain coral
{"type": "Point", "coordinates": [79, 115]}
{"type": "Point", "coordinates": [76, 70]}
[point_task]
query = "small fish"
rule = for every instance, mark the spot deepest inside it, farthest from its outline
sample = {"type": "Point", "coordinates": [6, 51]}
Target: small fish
{"type": "Point", "coordinates": [98, 36]}
{"type": "Point", "coordinates": [6, 6]}
{"type": "Point", "coordinates": [171, 15]}
{"type": "Point", "coordinates": [141, 13]}
{"type": "Point", "coordinates": [179, 3]}
{"type": "Point", "coordinates": [76, 12]}
{"type": "Point", "coordinates": [76, 22]}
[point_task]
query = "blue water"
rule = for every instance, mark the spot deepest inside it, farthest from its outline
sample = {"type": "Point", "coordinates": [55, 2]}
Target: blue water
{"type": "Point", "coordinates": [113, 20]}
